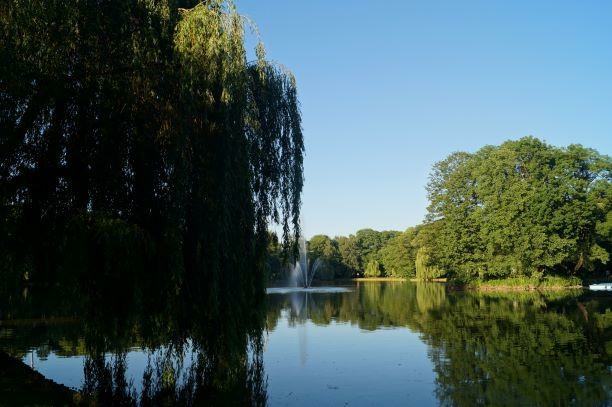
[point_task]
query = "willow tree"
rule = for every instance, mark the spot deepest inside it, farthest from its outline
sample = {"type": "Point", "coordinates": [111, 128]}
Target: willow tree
{"type": "Point", "coordinates": [137, 133]}
{"type": "Point", "coordinates": [424, 270]}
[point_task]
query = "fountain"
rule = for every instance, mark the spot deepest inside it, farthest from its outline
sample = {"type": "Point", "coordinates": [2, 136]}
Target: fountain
{"type": "Point", "coordinates": [302, 272]}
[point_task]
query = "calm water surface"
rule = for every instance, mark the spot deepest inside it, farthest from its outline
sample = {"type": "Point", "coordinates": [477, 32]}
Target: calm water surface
{"type": "Point", "coordinates": [377, 344]}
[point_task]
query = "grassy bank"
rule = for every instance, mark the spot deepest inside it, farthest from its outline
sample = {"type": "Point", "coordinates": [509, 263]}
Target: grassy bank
{"type": "Point", "coordinates": [379, 279]}
{"type": "Point", "coordinates": [414, 280]}
{"type": "Point", "coordinates": [431, 280]}
{"type": "Point", "coordinates": [522, 284]}
{"type": "Point", "coordinates": [506, 284]}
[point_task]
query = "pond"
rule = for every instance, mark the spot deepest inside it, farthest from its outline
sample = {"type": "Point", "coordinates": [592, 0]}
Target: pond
{"type": "Point", "coordinates": [364, 343]}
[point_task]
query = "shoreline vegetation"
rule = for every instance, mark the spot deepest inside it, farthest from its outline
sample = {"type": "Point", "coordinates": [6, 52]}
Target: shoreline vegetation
{"type": "Point", "coordinates": [517, 284]}
{"type": "Point", "coordinates": [359, 279]}
{"type": "Point", "coordinates": [523, 215]}
{"type": "Point", "coordinates": [526, 284]}
{"type": "Point", "coordinates": [549, 283]}
{"type": "Point", "coordinates": [414, 280]}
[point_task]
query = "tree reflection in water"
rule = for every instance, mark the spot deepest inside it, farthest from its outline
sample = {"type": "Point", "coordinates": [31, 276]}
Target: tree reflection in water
{"type": "Point", "coordinates": [179, 377]}
{"type": "Point", "coordinates": [194, 356]}
{"type": "Point", "coordinates": [487, 348]}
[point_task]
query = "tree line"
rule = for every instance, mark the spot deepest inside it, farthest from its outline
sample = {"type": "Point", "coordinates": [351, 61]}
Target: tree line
{"type": "Point", "coordinates": [367, 253]}
{"type": "Point", "coordinates": [523, 209]}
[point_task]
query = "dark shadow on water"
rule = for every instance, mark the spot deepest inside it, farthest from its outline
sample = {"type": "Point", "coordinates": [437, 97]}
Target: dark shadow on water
{"type": "Point", "coordinates": [195, 355]}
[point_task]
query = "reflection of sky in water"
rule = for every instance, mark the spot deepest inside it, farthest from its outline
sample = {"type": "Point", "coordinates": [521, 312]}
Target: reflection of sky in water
{"type": "Point", "coordinates": [64, 370]}
{"type": "Point", "coordinates": [69, 370]}
{"type": "Point", "coordinates": [309, 364]}
{"type": "Point", "coordinates": [366, 346]}
{"type": "Point", "coordinates": [340, 363]}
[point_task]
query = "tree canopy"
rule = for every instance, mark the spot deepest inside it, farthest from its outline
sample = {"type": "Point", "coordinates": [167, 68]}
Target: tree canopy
{"type": "Point", "coordinates": [139, 130]}
{"type": "Point", "coordinates": [521, 208]}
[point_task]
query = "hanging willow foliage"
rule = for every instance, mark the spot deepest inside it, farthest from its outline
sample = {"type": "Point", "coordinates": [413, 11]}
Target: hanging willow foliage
{"type": "Point", "coordinates": [141, 124]}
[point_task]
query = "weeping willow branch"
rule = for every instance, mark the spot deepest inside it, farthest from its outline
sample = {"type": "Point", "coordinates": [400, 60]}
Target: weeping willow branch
{"type": "Point", "coordinates": [166, 127]}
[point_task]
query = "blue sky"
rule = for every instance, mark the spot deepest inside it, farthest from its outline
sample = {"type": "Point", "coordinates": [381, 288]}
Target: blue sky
{"type": "Point", "coordinates": [389, 88]}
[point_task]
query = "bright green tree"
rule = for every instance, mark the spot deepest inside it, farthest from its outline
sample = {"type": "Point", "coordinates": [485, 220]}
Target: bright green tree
{"type": "Point", "coordinates": [521, 208]}
{"type": "Point", "coordinates": [349, 254]}
{"type": "Point", "coordinates": [398, 255]}
{"type": "Point", "coordinates": [373, 269]}
{"type": "Point", "coordinates": [326, 249]}
{"type": "Point", "coordinates": [425, 268]}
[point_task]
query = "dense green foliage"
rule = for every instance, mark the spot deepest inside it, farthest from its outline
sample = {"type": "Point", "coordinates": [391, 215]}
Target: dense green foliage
{"type": "Point", "coordinates": [373, 269]}
{"type": "Point", "coordinates": [520, 211]}
{"type": "Point", "coordinates": [367, 253]}
{"type": "Point", "coordinates": [321, 246]}
{"type": "Point", "coordinates": [361, 254]}
{"type": "Point", "coordinates": [138, 130]}
{"type": "Point", "coordinates": [398, 255]}
{"type": "Point", "coordinates": [523, 208]}
{"type": "Point", "coordinates": [424, 270]}
{"type": "Point", "coordinates": [141, 159]}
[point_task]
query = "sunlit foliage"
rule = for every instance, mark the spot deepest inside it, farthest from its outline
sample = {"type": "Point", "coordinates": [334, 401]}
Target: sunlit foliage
{"type": "Point", "coordinates": [523, 208]}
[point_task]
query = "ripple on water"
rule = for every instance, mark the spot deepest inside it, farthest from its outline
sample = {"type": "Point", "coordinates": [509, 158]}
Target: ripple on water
{"type": "Point", "coordinates": [319, 290]}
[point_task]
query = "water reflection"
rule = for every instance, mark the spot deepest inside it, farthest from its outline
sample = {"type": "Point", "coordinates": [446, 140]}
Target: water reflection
{"type": "Point", "coordinates": [518, 349]}
{"type": "Point", "coordinates": [500, 349]}
{"type": "Point", "coordinates": [191, 356]}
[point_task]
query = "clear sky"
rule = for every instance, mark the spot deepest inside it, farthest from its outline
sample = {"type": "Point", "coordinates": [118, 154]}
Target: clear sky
{"type": "Point", "coordinates": [387, 88]}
